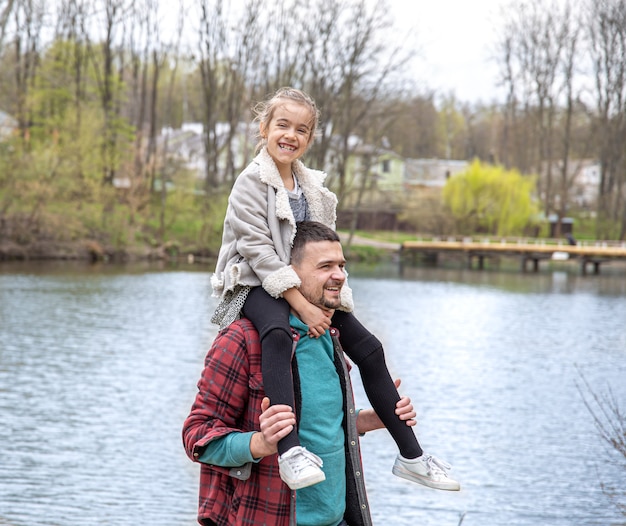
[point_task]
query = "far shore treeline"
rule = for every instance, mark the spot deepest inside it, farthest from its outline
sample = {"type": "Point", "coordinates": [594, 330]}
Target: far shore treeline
{"type": "Point", "coordinates": [91, 92]}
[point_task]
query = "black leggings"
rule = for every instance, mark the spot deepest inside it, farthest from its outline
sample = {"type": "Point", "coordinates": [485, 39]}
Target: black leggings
{"type": "Point", "coordinates": [270, 316]}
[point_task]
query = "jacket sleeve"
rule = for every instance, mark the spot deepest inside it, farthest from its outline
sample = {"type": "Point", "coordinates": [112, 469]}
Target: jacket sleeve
{"type": "Point", "coordinates": [223, 393]}
{"type": "Point", "coordinates": [248, 219]}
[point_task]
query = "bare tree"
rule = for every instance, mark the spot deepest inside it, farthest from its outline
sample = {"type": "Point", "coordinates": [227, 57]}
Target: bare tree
{"type": "Point", "coordinates": [610, 421]}
{"type": "Point", "coordinates": [570, 35]}
{"type": "Point", "coordinates": [28, 21]}
{"type": "Point", "coordinates": [71, 27]}
{"type": "Point", "coordinates": [151, 159]}
{"type": "Point", "coordinates": [452, 127]}
{"type": "Point", "coordinates": [418, 114]}
{"type": "Point", "coordinates": [319, 73]}
{"type": "Point", "coordinates": [607, 36]}
{"type": "Point", "coordinates": [103, 54]}
{"type": "Point", "coordinates": [380, 121]}
{"type": "Point", "coordinates": [483, 123]}
{"type": "Point", "coordinates": [231, 42]}
{"type": "Point", "coordinates": [240, 79]}
{"type": "Point", "coordinates": [539, 51]}
{"type": "Point", "coordinates": [365, 66]}
{"type": "Point", "coordinates": [509, 135]}
{"type": "Point", "coordinates": [213, 47]}
{"type": "Point", "coordinates": [6, 7]}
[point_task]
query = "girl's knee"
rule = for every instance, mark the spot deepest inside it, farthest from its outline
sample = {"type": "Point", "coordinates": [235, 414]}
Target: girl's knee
{"type": "Point", "coordinates": [369, 350]}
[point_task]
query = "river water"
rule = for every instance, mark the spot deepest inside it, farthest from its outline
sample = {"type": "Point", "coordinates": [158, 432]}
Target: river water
{"type": "Point", "coordinates": [98, 367]}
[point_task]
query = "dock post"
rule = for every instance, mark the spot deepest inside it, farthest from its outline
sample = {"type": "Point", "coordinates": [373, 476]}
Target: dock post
{"type": "Point", "coordinates": [583, 266]}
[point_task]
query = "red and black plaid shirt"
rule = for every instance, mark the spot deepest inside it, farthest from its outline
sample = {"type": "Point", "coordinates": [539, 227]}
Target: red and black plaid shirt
{"type": "Point", "coordinates": [229, 397]}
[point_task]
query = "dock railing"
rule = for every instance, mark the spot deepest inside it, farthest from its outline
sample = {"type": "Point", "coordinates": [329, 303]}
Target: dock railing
{"type": "Point", "coordinates": [529, 250]}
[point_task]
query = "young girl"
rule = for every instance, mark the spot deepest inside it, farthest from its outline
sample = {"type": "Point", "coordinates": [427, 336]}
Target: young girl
{"type": "Point", "coordinates": [253, 278]}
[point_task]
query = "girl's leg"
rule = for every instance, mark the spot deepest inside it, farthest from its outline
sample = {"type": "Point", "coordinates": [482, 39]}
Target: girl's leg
{"type": "Point", "coordinates": [270, 317]}
{"type": "Point", "coordinates": [366, 351]}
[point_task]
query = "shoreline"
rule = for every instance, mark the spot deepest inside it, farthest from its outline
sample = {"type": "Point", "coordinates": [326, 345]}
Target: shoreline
{"type": "Point", "coordinates": [85, 250]}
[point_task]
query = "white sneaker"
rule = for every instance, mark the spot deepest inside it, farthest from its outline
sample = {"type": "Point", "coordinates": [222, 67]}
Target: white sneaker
{"type": "Point", "coordinates": [300, 468]}
{"type": "Point", "coordinates": [426, 470]}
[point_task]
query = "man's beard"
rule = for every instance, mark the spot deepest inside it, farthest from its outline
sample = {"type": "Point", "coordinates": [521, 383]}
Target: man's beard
{"type": "Point", "coordinates": [326, 303]}
{"type": "Point", "coordinates": [329, 304]}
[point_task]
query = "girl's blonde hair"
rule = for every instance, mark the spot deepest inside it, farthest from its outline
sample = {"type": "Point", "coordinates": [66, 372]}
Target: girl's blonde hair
{"type": "Point", "coordinates": [264, 111]}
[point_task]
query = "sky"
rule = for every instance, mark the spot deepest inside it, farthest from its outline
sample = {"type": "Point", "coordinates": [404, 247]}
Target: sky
{"type": "Point", "coordinates": [454, 40]}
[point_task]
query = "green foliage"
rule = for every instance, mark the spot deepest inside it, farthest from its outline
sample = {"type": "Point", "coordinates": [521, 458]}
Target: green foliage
{"type": "Point", "coordinates": [491, 200]}
{"type": "Point", "coordinates": [451, 129]}
{"type": "Point", "coordinates": [191, 219]}
{"type": "Point", "coordinates": [366, 253]}
{"type": "Point", "coordinates": [426, 213]}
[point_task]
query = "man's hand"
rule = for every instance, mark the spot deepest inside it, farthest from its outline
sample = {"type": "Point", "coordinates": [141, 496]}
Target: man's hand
{"type": "Point", "coordinates": [405, 411]}
{"type": "Point", "coordinates": [276, 422]}
{"type": "Point", "coordinates": [368, 420]}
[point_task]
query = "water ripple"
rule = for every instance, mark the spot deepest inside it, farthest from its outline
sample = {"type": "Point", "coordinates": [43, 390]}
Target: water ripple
{"type": "Point", "coordinates": [98, 370]}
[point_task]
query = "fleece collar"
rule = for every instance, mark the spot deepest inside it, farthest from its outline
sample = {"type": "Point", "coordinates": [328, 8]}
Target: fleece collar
{"type": "Point", "coordinates": [307, 179]}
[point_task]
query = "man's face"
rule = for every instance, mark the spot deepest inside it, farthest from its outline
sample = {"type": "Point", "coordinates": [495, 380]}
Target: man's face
{"type": "Point", "coordinates": [321, 273]}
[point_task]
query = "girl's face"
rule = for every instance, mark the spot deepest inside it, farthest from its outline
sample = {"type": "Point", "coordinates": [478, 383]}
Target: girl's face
{"type": "Point", "coordinates": [288, 133]}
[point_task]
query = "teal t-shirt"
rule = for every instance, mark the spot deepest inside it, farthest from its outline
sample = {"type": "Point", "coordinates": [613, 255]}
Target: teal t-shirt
{"type": "Point", "coordinates": [321, 430]}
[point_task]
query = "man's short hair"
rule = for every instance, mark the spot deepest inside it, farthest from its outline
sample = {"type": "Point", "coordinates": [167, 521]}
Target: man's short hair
{"type": "Point", "coordinates": [307, 232]}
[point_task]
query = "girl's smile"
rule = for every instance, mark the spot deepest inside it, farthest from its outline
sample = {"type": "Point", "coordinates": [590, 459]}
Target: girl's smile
{"type": "Point", "coordinates": [288, 136]}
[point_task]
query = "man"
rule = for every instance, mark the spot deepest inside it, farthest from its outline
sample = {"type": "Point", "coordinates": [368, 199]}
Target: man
{"type": "Point", "coordinates": [233, 431]}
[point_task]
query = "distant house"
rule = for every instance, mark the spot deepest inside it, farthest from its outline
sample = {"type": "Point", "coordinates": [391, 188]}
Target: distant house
{"type": "Point", "coordinates": [583, 180]}
{"type": "Point", "coordinates": [374, 180]}
{"type": "Point", "coordinates": [383, 168]}
{"type": "Point", "coordinates": [431, 173]}
{"type": "Point", "coordinates": [389, 177]}
{"type": "Point", "coordinates": [8, 125]}
{"type": "Point", "coordinates": [186, 145]}
{"type": "Point", "coordinates": [586, 183]}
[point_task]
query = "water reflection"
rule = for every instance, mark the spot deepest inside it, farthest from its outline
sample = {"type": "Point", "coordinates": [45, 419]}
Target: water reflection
{"type": "Point", "coordinates": [493, 361]}
{"type": "Point", "coordinates": [98, 369]}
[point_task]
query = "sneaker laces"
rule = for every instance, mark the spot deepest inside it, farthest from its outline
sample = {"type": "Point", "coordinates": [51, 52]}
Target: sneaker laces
{"type": "Point", "coordinates": [437, 466]}
{"type": "Point", "coordinates": [299, 462]}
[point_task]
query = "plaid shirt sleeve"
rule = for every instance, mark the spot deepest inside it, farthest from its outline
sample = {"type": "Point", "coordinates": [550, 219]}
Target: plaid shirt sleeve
{"type": "Point", "coordinates": [224, 392]}
{"type": "Point", "coordinates": [229, 400]}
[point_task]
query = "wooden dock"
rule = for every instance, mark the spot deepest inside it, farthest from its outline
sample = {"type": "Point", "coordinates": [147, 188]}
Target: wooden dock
{"type": "Point", "coordinates": [589, 255]}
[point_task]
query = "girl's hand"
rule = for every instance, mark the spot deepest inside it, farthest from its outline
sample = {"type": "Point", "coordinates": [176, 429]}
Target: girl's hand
{"type": "Point", "coordinates": [317, 319]}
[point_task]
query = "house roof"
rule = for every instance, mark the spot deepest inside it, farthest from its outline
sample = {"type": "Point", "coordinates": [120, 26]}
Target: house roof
{"type": "Point", "coordinates": [432, 172]}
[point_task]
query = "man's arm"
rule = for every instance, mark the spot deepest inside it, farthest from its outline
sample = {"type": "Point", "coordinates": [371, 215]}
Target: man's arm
{"type": "Point", "coordinates": [228, 451]}
{"type": "Point", "coordinates": [236, 448]}
{"type": "Point", "coordinates": [223, 392]}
